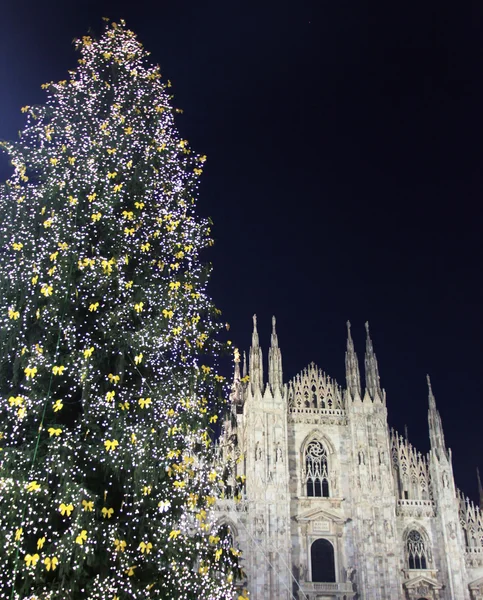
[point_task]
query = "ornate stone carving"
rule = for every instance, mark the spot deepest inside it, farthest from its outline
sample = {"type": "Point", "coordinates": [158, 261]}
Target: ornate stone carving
{"type": "Point", "coordinates": [415, 508]}
{"type": "Point", "coordinates": [388, 528]}
{"type": "Point", "coordinates": [313, 389]}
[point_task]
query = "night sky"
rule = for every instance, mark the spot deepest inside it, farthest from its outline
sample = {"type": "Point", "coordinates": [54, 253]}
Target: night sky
{"type": "Point", "coordinates": [344, 175]}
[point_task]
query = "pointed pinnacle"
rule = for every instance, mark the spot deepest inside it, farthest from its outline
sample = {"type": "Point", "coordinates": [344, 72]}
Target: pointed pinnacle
{"type": "Point", "coordinates": [432, 400]}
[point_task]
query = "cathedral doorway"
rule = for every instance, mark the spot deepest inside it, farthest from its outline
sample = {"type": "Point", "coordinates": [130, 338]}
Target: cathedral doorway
{"type": "Point", "coordinates": [322, 558]}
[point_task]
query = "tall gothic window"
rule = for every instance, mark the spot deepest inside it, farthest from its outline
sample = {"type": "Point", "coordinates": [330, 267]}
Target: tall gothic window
{"type": "Point", "coordinates": [417, 551]}
{"type": "Point", "coordinates": [322, 559]}
{"type": "Point", "coordinates": [316, 476]}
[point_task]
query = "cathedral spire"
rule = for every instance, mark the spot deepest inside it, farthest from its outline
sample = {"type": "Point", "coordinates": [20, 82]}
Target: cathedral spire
{"type": "Point", "coordinates": [275, 377]}
{"type": "Point", "coordinates": [373, 385]}
{"type": "Point", "coordinates": [352, 374]}
{"type": "Point", "coordinates": [436, 434]}
{"type": "Point", "coordinates": [480, 488]}
{"type": "Point", "coordinates": [256, 363]}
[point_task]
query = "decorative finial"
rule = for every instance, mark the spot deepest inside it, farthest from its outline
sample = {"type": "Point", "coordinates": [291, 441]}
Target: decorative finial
{"type": "Point", "coordinates": [236, 352]}
{"type": "Point", "coordinates": [274, 322]}
{"type": "Point", "coordinates": [428, 379]}
{"type": "Point", "coordinates": [254, 323]}
{"type": "Point", "coordinates": [244, 364]}
{"type": "Point", "coordinates": [367, 327]}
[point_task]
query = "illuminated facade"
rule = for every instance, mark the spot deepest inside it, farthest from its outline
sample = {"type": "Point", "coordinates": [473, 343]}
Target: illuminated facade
{"type": "Point", "coordinates": [328, 503]}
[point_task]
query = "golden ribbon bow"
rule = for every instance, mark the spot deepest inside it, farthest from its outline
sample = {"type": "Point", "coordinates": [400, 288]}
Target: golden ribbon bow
{"type": "Point", "coordinates": [143, 402]}
{"type": "Point", "coordinates": [30, 372]}
{"type": "Point", "coordinates": [81, 538]}
{"type": "Point", "coordinates": [107, 512]}
{"type": "Point", "coordinates": [120, 545]}
{"type": "Point", "coordinates": [51, 563]}
{"type": "Point", "coordinates": [145, 547]}
{"type": "Point", "coordinates": [52, 431]}
{"type": "Point", "coordinates": [15, 400]}
{"type": "Point", "coordinates": [33, 486]}
{"type": "Point", "coordinates": [174, 534]}
{"type": "Point", "coordinates": [31, 559]}
{"type": "Point", "coordinates": [88, 505]}
{"type": "Point", "coordinates": [111, 445]}
{"type": "Point", "coordinates": [58, 370]}
{"type": "Point", "coordinates": [66, 509]}
{"type": "Point", "coordinates": [13, 314]}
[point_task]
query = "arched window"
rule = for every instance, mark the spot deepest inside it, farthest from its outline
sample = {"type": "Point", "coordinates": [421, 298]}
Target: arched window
{"type": "Point", "coordinates": [316, 475]}
{"type": "Point", "coordinates": [322, 558]}
{"type": "Point", "coordinates": [417, 552]}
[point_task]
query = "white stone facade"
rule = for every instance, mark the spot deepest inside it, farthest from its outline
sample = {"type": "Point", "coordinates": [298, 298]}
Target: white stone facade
{"type": "Point", "coordinates": [327, 503]}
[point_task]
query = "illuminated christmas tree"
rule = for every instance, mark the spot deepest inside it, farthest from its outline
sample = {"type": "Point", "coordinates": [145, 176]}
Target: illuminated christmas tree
{"type": "Point", "coordinates": [108, 389]}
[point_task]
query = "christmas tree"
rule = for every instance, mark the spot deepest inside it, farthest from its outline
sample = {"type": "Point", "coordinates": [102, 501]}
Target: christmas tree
{"type": "Point", "coordinates": [108, 384]}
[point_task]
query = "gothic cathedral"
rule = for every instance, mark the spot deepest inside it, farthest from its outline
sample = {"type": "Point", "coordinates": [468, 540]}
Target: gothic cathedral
{"type": "Point", "coordinates": [327, 503]}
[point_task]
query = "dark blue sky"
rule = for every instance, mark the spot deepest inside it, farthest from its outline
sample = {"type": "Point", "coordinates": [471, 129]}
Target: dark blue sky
{"type": "Point", "coordinates": [344, 175]}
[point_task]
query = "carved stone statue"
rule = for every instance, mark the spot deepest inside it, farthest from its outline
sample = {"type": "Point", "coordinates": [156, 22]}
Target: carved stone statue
{"type": "Point", "coordinates": [278, 454]}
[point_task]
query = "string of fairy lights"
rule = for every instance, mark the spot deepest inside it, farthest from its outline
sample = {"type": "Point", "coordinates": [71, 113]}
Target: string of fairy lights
{"type": "Point", "coordinates": [109, 390]}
